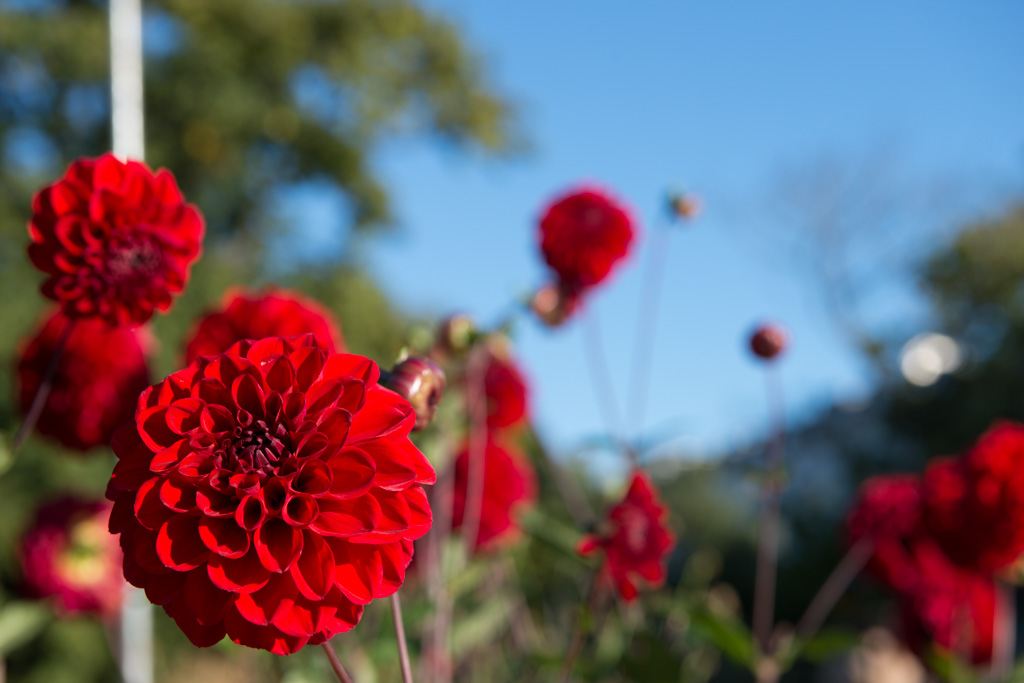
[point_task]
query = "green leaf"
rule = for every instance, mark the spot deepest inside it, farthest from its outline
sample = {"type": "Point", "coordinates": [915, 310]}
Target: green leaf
{"type": "Point", "coordinates": [828, 643]}
{"type": "Point", "coordinates": [554, 533]}
{"type": "Point", "coordinates": [20, 622]}
{"type": "Point", "coordinates": [482, 626]}
{"type": "Point", "coordinates": [6, 453]}
{"type": "Point", "coordinates": [950, 668]}
{"type": "Point", "coordinates": [730, 635]}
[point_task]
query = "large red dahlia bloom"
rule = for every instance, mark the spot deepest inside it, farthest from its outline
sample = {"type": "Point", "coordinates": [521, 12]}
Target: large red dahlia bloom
{"type": "Point", "coordinates": [268, 493]}
{"type": "Point", "coordinates": [251, 315]}
{"type": "Point", "coordinates": [509, 486]}
{"type": "Point", "coordinates": [68, 555]}
{"type": "Point", "coordinates": [583, 234]}
{"type": "Point", "coordinates": [115, 239]}
{"type": "Point", "coordinates": [975, 504]}
{"type": "Point", "coordinates": [636, 539]}
{"type": "Point", "coordinates": [98, 378]}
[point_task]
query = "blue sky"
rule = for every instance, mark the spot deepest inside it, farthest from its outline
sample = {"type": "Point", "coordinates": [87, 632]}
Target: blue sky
{"type": "Point", "coordinates": [719, 97]}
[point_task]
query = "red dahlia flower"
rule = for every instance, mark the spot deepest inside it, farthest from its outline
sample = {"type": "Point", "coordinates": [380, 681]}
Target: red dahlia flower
{"type": "Point", "coordinates": [509, 485]}
{"type": "Point", "coordinates": [888, 510]}
{"type": "Point", "coordinates": [249, 315]}
{"type": "Point", "coordinates": [583, 234]}
{"type": "Point", "coordinates": [636, 540]}
{"type": "Point", "coordinates": [940, 601]}
{"type": "Point", "coordinates": [975, 504]}
{"type": "Point", "coordinates": [115, 239]}
{"type": "Point", "coordinates": [950, 606]}
{"type": "Point", "coordinates": [68, 555]}
{"type": "Point", "coordinates": [268, 493]}
{"type": "Point", "coordinates": [506, 391]}
{"type": "Point", "coordinates": [98, 378]}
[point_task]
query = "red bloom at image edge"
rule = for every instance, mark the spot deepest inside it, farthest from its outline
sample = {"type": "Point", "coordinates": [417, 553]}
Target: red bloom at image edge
{"type": "Point", "coordinates": [509, 486]}
{"type": "Point", "coordinates": [253, 315]}
{"type": "Point", "coordinates": [67, 555]}
{"type": "Point", "coordinates": [115, 240]}
{"type": "Point", "coordinates": [583, 234]}
{"type": "Point", "coordinates": [98, 378]}
{"type": "Point", "coordinates": [940, 602]}
{"type": "Point", "coordinates": [975, 504]}
{"type": "Point", "coordinates": [636, 540]}
{"type": "Point", "coordinates": [269, 493]}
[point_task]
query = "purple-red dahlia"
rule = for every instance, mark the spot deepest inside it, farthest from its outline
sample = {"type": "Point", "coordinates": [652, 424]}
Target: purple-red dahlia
{"type": "Point", "coordinates": [115, 240]}
{"type": "Point", "coordinates": [269, 493]}
{"type": "Point", "coordinates": [67, 555]}
{"type": "Point", "coordinates": [888, 511]}
{"type": "Point", "coordinates": [635, 539]}
{"type": "Point", "coordinates": [583, 234]}
{"type": "Point", "coordinates": [509, 486]}
{"type": "Point", "coordinates": [252, 315]}
{"type": "Point", "coordinates": [98, 377]}
{"type": "Point", "coordinates": [975, 504]}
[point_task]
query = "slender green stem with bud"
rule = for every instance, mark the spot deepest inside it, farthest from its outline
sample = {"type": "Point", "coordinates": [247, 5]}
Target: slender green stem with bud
{"type": "Point", "coordinates": [768, 533]}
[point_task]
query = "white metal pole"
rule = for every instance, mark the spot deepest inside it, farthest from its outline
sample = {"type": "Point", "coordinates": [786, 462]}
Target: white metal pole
{"type": "Point", "coordinates": [127, 124]}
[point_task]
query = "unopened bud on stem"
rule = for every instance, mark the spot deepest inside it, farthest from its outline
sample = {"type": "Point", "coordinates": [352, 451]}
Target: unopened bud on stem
{"type": "Point", "coordinates": [554, 304]}
{"type": "Point", "coordinates": [420, 381]}
{"type": "Point", "coordinates": [768, 341]}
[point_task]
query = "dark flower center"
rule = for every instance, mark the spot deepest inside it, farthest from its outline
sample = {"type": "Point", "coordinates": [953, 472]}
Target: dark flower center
{"type": "Point", "coordinates": [257, 446]}
{"type": "Point", "coordinates": [133, 262]}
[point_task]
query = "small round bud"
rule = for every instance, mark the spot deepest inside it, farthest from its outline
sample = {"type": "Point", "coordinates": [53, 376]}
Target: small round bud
{"type": "Point", "coordinates": [684, 205]}
{"type": "Point", "coordinates": [455, 334]}
{"type": "Point", "coordinates": [420, 381]}
{"type": "Point", "coordinates": [768, 341]}
{"type": "Point", "coordinates": [554, 304]}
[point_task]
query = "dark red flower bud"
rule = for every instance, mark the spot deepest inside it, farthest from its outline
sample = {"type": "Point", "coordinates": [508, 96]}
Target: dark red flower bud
{"type": "Point", "coordinates": [768, 341]}
{"type": "Point", "coordinates": [455, 334]}
{"type": "Point", "coordinates": [684, 205]}
{"type": "Point", "coordinates": [554, 304]}
{"type": "Point", "coordinates": [420, 381]}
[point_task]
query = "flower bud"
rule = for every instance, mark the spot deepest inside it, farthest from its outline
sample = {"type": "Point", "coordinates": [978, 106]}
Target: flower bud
{"type": "Point", "coordinates": [455, 334]}
{"type": "Point", "coordinates": [768, 341]}
{"type": "Point", "coordinates": [684, 205]}
{"type": "Point", "coordinates": [554, 304]}
{"type": "Point", "coordinates": [420, 381]}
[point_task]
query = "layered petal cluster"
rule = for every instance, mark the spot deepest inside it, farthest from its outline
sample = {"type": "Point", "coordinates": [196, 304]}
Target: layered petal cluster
{"type": "Point", "coordinates": [583, 234]}
{"type": "Point", "coordinates": [506, 392]}
{"type": "Point", "coordinates": [509, 486]}
{"type": "Point", "coordinates": [268, 493]}
{"type": "Point", "coordinates": [67, 555]}
{"type": "Point", "coordinates": [635, 539]}
{"type": "Point", "coordinates": [975, 504]}
{"type": "Point", "coordinates": [97, 380]}
{"type": "Point", "coordinates": [940, 601]}
{"type": "Point", "coordinates": [255, 315]}
{"type": "Point", "coordinates": [115, 240]}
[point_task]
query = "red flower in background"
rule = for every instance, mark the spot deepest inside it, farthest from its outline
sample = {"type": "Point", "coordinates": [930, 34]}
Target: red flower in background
{"type": "Point", "coordinates": [250, 315]}
{"type": "Point", "coordinates": [583, 234]}
{"type": "Point", "coordinates": [98, 378]}
{"type": "Point", "coordinates": [115, 239]}
{"type": "Point", "coordinates": [940, 601]}
{"type": "Point", "coordinates": [975, 504]}
{"type": "Point", "coordinates": [68, 555]}
{"type": "Point", "coordinates": [636, 541]}
{"type": "Point", "coordinates": [509, 485]}
{"type": "Point", "coordinates": [268, 493]}
{"type": "Point", "coordinates": [506, 391]}
{"type": "Point", "coordinates": [888, 509]}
